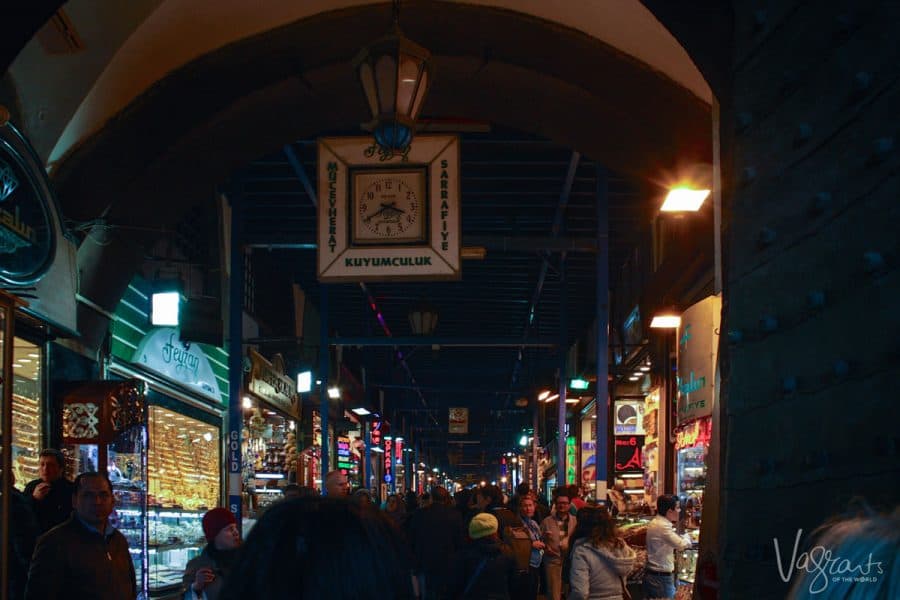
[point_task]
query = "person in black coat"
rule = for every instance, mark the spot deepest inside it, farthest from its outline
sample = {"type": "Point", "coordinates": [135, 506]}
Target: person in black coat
{"type": "Point", "coordinates": [436, 534]}
{"type": "Point", "coordinates": [51, 494]}
{"type": "Point", "coordinates": [486, 568]}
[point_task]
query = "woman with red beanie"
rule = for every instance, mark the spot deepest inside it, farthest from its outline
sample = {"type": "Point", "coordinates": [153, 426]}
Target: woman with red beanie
{"type": "Point", "coordinates": [204, 576]}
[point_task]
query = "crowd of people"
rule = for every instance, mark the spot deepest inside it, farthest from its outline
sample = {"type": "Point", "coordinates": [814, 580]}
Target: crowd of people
{"type": "Point", "coordinates": [343, 545]}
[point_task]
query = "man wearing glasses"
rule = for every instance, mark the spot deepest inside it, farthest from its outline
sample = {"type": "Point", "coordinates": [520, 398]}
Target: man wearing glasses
{"type": "Point", "coordinates": [557, 530]}
{"type": "Point", "coordinates": [662, 541]}
{"type": "Point", "coordinates": [85, 556]}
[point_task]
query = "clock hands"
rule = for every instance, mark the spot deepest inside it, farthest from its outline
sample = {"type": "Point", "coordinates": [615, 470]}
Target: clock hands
{"type": "Point", "coordinates": [388, 210]}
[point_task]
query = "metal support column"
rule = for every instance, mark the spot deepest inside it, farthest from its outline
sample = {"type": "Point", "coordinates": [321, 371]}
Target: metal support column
{"type": "Point", "coordinates": [534, 449]}
{"type": "Point", "coordinates": [563, 350]}
{"type": "Point", "coordinates": [323, 377]}
{"type": "Point", "coordinates": [601, 401]}
{"type": "Point", "coordinates": [365, 469]}
{"type": "Point", "coordinates": [235, 354]}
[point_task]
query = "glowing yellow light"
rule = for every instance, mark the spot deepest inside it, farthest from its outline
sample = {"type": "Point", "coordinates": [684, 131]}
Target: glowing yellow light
{"type": "Point", "coordinates": [666, 322]}
{"type": "Point", "coordinates": [684, 199]}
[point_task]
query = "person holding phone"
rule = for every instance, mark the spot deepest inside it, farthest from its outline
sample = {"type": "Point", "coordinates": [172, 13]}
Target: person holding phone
{"type": "Point", "coordinates": [204, 576]}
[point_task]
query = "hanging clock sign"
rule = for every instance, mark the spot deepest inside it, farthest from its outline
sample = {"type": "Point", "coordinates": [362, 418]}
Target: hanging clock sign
{"type": "Point", "coordinates": [388, 220]}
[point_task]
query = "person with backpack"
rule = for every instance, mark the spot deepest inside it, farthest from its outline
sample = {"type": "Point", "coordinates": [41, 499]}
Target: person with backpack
{"type": "Point", "coordinates": [486, 569]}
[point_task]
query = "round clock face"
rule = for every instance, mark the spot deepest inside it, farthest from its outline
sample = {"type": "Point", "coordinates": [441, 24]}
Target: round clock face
{"type": "Point", "coordinates": [389, 207]}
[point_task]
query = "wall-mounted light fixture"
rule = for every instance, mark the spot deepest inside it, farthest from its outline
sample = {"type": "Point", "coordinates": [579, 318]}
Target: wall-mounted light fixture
{"type": "Point", "coordinates": [690, 188]}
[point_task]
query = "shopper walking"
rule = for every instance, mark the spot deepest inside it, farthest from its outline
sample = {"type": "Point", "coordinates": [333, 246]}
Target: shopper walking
{"type": "Point", "coordinates": [527, 586]}
{"type": "Point", "coordinates": [436, 535]}
{"type": "Point", "coordinates": [51, 493]}
{"type": "Point", "coordinates": [204, 576]}
{"type": "Point", "coordinates": [84, 557]}
{"type": "Point", "coordinates": [662, 541]}
{"type": "Point", "coordinates": [557, 530]}
{"type": "Point", "coordinates": [486, 569]}
{"type": "Point", "coordinates": [601, 560]}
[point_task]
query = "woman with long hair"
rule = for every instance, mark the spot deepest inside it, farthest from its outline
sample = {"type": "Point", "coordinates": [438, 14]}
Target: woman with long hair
{"type": "Point", "coordinates": [600, 559]}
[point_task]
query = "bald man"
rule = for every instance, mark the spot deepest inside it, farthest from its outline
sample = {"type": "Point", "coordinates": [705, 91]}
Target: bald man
{"type": "Point", "coordinates": [336, 484]}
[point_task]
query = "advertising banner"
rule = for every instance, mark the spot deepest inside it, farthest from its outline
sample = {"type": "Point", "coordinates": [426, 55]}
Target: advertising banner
{"type": "Point", "coordinates": [698, 342]}
{"type": "Point", "coordinates": [629, 417]}
{"type": "Point", "coordinates": [459, 420]}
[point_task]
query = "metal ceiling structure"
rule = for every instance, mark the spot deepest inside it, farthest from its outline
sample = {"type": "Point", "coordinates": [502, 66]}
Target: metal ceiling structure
{"type": "Point", "coordinates": [532, 205]}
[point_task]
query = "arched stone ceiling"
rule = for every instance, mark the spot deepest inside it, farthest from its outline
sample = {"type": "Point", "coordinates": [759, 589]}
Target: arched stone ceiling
{"type": "Point", "coordinates": [175, 141]}
{"type": "Point", "coordinates": [175, 32]}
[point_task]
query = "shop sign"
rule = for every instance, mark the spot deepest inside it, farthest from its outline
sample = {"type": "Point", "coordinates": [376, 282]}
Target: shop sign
{"type": "Point", "coordinates": [695, 434]}
{"type": "Point", "coordinates": [588, 451]}
{"type": "Point", "coordinates": [398, 451]}
{"type": "Point", "coordinates": [163, 352]}
{"type": "Point", "coordinates": [628, 454]}
{"type": "Point", "coordinates": [388, 461]}
{"type": "Point", "coordinates": [698, 342]}
{"type": "Point", "coordinates": [459, 420]}
{"type": "Point", "coordinates": [629, 417]}
{"type": "Point", "coordinates": [343, 453]}
{"type": "Point", "coordinates": [27, 229]}
{"type": "Point", "coordinates": [383, 221]}
{"type": "Point", "coordinates": [269, 383]}
{"type": "Point", "coordinates": [375, 433]}
{"type": "Point", "coordinates": [571, 460]}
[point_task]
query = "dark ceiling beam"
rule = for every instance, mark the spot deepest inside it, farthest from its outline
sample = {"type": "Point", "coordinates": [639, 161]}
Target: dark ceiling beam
{"type": "Point", "coordinates": [545, 264]}
{"type": "Point", "coordinates": [300, 172]}
{"type": "Point", "coordinates": [498, 243]}
{"type": "Point", "coordinates": [442, 341]}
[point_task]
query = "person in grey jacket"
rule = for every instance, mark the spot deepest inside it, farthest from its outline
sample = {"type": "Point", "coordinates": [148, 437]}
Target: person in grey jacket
{"type": "Point", "coordinates": [600, 558]}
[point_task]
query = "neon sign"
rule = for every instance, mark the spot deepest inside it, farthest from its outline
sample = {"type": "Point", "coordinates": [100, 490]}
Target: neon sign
{"type": "Point", "coordinates": [628, 453]}
{"type": "Point", "coordinates": [696, 434]}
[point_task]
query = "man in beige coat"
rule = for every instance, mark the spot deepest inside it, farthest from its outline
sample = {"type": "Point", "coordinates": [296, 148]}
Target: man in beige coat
{"type": "Point", "coordinates": [557, 530]}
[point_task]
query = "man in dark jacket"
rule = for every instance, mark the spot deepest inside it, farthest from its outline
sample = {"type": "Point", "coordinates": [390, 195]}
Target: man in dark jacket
{"type": "Point", "coordinates": [486, 569]}
{"type": "Point", "coordinates": [85, 557]}
{"type": "Point", "coordinates": [436, 534]}
{"type": "Point", "coordinates": [51, 494]}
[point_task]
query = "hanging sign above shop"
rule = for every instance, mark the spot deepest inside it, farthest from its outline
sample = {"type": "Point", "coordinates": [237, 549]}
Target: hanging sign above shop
{"type": "Point", "coordinates": [27, 231]}
{"type": "Point", "coordinates": [268, 382]}
{"type": "Point", "coordinates": [163, 352]}
{"type": "Point", "coordinates": [459, 420]}
{"type": "Point", "coordinates": [629, 417]}
{"type": "Point", "coordinates": [698, 343]}
{"type": "Point", "coordinates": [388, 221]}
{"type": "Point", "coordinates": [628, 454]}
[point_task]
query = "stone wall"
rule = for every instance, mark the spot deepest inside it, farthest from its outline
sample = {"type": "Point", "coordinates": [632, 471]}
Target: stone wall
{"type": "Point", "coordinates": [812, 207]}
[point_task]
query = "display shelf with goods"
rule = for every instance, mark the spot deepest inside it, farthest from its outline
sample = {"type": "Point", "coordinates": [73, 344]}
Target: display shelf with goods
{"type": "Point", "coordinates": [184, 483]}
{"type": "Point", "coordinates": [270, 457]}
{"type": "Point", "coordinates": [26, 411]}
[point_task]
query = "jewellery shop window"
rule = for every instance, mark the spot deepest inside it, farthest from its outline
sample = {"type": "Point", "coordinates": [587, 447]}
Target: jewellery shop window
{"type": "Point", "coordinates": [184, 484]}
{"type": "Point", "coordinates": [270, 456]}
{"type": "Point", "coordinates": [26, 411]}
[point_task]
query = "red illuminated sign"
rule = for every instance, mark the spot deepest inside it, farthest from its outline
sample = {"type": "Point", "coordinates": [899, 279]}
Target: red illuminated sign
{"type": "Point", "coordinates": [696, 433]}
{"type": "Point", "coordinates": [628, 453]}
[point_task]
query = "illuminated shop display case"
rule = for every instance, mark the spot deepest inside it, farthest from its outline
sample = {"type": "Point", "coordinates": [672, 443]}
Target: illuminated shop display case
{"type": "Point", "coordinates": [26, 411]}
{"type": "Point", "coordinates": [184, 483]}
{"type": "Point", "coordinates": [270, 456]}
